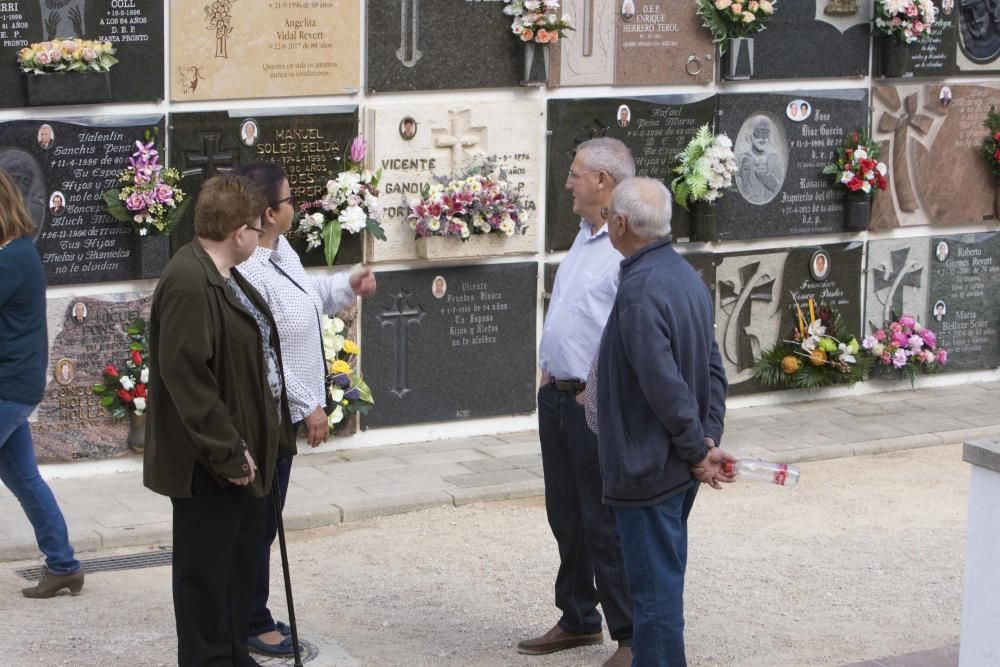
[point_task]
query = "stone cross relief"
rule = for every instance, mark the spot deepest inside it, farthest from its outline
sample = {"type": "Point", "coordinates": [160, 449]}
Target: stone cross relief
{"type": "Point", "coordinates": [889, 281]}
{"type": "Point", "coordinates": [409, 26]}
{"type": "Point", "coordinates": [62, 18]}
{"type": "Point", "coordinates": [400, 316]}
{"type": "Point", "coordinates": [743, 330]}
{"type": "Point", "coordinates": [460, 137]}
{"type": "Point", "coordinates": [587, 28]}
{"type": "Point", "coordinates": [211, 160]}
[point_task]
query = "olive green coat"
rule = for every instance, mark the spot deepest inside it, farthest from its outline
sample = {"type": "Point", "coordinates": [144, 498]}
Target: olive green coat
{"type": "Point", "coordinates": [208, 388]}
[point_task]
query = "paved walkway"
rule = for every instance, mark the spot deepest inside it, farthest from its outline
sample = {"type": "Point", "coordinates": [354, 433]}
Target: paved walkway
{"type": "Point", "coordinates": [110, 511]}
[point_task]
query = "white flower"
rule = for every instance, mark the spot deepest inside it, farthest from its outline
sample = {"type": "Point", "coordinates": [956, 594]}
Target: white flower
{"type": "Point", "coordinates": [318, 219]}
{"type": "Point", "coordinates": [335, 345]}
{"type": "Point", "coordinates": [143, 231]}
{"type": "Point", "coordinates": [816, 329]}
{"type": "Point", "coordinates": [331, 187]}
{"type": "Point", "coordinates": [433, 224]}
{"type": "Point", "coordinates": [144, 376]}
{"type": "Point", "coordinates": [336, 394]}
{"type": "Point", "coordinates": [349, 181]}
{"type": "Point", "coordinates": [860, 153]}
{"type": "Point", "coordinates": [336, 416]}
{"type": "Point", "coordinates": [366, 176]}
{"type": "Point", "coordinates": [338, 325]}
{"type": "Point", "coordinates": [126, 383]}
{"type": "Point", "coordinates": [724, 141]}
{"type": "Point", "coordinates": [845, 354]}
{"type": "Point", "coordinates": [866, 187]}
{"type": "Point", "coordinates": [353, 219]}
{"type": "Point", "coordinates": [845, 177]}
{"type": "Point", "coordinates": [809, 344]}
{"type": "Point", "coordinates": [140, 404]}
{"type": "Point", "coordinates": [881, 168]}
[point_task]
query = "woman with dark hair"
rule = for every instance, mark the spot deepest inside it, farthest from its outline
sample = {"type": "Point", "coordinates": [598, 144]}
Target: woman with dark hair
{"type": "Point", "coordinates": [297, 299]}
{"type": "Point", "coordinates": [24, 356]}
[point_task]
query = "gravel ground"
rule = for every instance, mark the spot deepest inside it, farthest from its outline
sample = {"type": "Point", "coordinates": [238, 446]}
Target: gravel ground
{"type": "Point", "coordinates": [864, 559]}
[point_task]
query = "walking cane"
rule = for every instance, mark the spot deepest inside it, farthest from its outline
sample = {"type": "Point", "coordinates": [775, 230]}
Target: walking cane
{"type": "Point", "coordinates": [276, 496]}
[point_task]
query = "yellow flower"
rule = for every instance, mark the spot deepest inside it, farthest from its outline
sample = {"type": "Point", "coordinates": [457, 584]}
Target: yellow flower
{"type": "Point", "coordinates": [350, 347]}
{"type": "Point", "coordinates": [817, 357]}
{"type": "Point", "coordinates": [340, 366]}
{"type": "Point", "coordinates": [790, 365]}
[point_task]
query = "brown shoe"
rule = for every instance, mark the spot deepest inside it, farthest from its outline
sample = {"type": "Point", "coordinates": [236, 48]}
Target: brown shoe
{"type": "Point", "coordinates": [620, 658]}
{"type": "Point", "coordinates": [50, 584]}
{"type": "Point", "coordinates": [557, 639]}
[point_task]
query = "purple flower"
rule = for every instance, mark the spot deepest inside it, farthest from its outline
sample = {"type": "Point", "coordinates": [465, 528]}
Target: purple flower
{"type": "Point", "coordinates": [928, 337]}
{"type": "Point", "coordinates": [135, 202]}
{"type": "Point", "coordinates": [915, 343]}
{"type": "Point", "coordinates": [341, 380]}
{"type": "Point", "coordinates": [352, 394]}
{"type": "Point", "coordinates": [899, 359]}
{"type": "Point", "coordinates": [907, 321]}
{"type": "Point", "coordinates": [869, 342]}
{"type": "Point", "coordinates": [358, 147]}
{"type": "Point", "coordinates": [164, 193]}
{"type": "Point", "coordinates": [900, 339]}
{"type": "Point", "coordinates": [942, 357]}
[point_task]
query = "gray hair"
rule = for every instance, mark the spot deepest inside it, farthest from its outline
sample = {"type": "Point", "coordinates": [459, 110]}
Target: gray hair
{"type": "Point", "coordinates": [647, 204]}
{"type": "Point", "coordinates": [610, 156]}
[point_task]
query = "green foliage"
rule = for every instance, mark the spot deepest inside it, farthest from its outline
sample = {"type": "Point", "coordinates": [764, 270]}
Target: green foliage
{"type": "Point", "coordinates": [331, 240]}
{"type": "Point", "coordinates": [769, 374]}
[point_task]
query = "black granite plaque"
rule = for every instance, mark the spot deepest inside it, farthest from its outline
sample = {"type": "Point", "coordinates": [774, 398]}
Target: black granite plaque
{"type": "Point", "coordinates": [655, 128]}
{"type": "Point", "coordinates": [813, 38]}
{"type": "Point", "coordinates": [441, 45]}
{"type": "Point", "coordinates": [781, 142]}
{"type": "Point", "coordinates": [63, 169]}
{"type": "Point", "coordinates": [309, 146]}
{"type": "Point", "coordinates": [704, 264]}
{"type": "Point", "coordinates": [134, 27]}
{"type": "Point", "coordinates": [964, 40]}
{"type": "Point", "coordinates": [756, 294]}
{"type": "Point", "coordinates": [450, 343]}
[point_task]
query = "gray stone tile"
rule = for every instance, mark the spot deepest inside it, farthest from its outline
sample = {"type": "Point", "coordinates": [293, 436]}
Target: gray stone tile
{"type": "Point", "coordinates": [392, 488]}
{"type": "Point", "coordinates": [367, 465]}
{"type": "Point", "coordinates": [427, 472]}
{"type": "Point", "coordinates": [524, 460]}
{"type": "Point", "coordinates": [490, 478]}
{"type": "Point", "coordinates": [519, 437]}
{"type": "Point", "coordinates": [514, 449]}
{"type": "Point", "coordinates": [451, 456]}
{"type": "Point", "coordinates": [487, 465]}
{"type": "Point", "coordinates": [381, 452]}
{"type": "Point", "coordinates": [475, 494]}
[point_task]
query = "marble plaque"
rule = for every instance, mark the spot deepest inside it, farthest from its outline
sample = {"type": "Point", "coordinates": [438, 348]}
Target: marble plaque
{"type": "Point", "coordinates": [655, 128]}
{"type": "Point", "coordinates": [85, 334]}
{"type": "Point", "coordinates": [756, 294]}
{"type": "Point", "coordinates": [413, 144]}
{"type": "Point", "coordinates": [62, 168]}
{"type": "Point", "coordinates": [425, 332]}
{"type": "Point", "coordinates": [931, 137]}
{"type": "Point", "coordinates": [135, 28]}
{"type": "Point", "coordinates": [782, 142]}
{"type": "Point", "coordinates": [224, 49]}
{"type": "Point", "coordinates": [308, 145]}
{"type": "Point", "coordinates": [965, 40]}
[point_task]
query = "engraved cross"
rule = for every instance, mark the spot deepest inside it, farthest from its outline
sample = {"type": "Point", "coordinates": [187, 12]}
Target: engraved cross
{"type": "Point", "coordinates": [902, 274]}
{"type": "Point", "coordinates": [211, 159]}
{"type": "Point", "coordinates": [460, 137]}
{"type": "Point", "coordinates": [400, 318]}
{"type": "Point", "coordinates": [409, 21]}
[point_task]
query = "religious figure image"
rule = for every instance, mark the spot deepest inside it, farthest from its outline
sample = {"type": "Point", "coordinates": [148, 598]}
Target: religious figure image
{"type": "Point", "coordinates": [944, 97]}
{"type": "Point", "coordinates": [624, 116]}
{"type": "Point", "coordinates": [761, 166]}
{"type": "Point", "coordinates": [439, 287]}
{"type": "Point", "coordinates": [57, 203]}
{"type": "Point", "coordinates": [46, 137]}
{"type": "Point", "coordinates": [941, 251]}
{"type": "Point", "coordinates": [979, 30]}
{"type": "Point", "coordinates": [947, 6]}
{"type": "Point", "coordinates": [940, 310]}
{"type": "Point", "coordinates": [79, 312]}
{"type": "Point", "coordinates": [64, 371]}
{"type": "Point", "coordinates": [819, 265]}
{"type": "Point", "coordinates": [628, 10]}
{"type": "Point", "coordinates": [407, 128]}
{"type": "Point", "coordinates": [249, 132]}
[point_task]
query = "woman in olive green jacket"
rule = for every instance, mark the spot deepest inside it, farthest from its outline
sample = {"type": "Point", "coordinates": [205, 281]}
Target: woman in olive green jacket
{"type": "Point", "coordinates": [217, 417]}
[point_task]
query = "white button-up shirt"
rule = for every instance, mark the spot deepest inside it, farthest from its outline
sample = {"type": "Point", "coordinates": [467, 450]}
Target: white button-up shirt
{"type": "Point", "coordinates": [582, 296]}
{"type": "Point", "coordinates": [296, 301]}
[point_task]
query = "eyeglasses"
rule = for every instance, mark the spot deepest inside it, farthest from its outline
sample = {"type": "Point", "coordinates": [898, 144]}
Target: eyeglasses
{"type": "Point", "coordinates": [259, 230]}
{"type": "Point", "coordinates": [290, 199]}
{"type": "Point", "coordinates": [572, 175]}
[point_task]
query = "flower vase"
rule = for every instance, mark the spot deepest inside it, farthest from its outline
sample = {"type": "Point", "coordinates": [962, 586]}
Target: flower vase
{"type": "Point", "coordinates": [63, 89]}
{"type": "Point", "coordinates": [895, 56]}
{"type": "Point", "coordinates": [153, 253]}
{"type": "Point", "coordinates": [738, 59]}
{"type": "Point", "coordinates": [136, 438]}
{"type": "Point", "coordinates": [703, 222]}
{"type": "Point", "coordinates": [536, 64]}
{"type": "Point", "coordinates": [857, 211]}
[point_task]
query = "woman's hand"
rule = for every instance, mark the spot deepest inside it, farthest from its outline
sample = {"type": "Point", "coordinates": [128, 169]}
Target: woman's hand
{"type": "Point", "coordinates": [316, 427]}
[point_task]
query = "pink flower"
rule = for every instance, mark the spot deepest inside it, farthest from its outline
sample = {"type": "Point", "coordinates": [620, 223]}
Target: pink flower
{"type": "Point", "coordinates": [928, 337]}
{"type": "Point", "coordinates": [358, 147]}
{"type": "Point", "coordinates": [907, 321]}
{"type": "Point", "coordinates": [942, 357]}
{"type": "Point", "coordinates": [896, 21]}
{"type": "Point", "coordinates": [912, 11]}
{"type": "Point", "coordinates": [89, 55]}
{"type": "Point", "coordinates": [927, 357]}
{"type": "Point", "coordinates": [895, 327]}
{"type": "Point", "coordinates": [899, 359]}
{"type": "Point", "coordinates": [42, 58]}
{"type": "Point", "coordinates": [900, 339]}
{"type": "Point", "coordinates": [886, 359]}
{"type": "Point", "coordinates": [880, 335]}
{"type": "Point", "coordinates": [164, 193]}
{"type": "Point", "coordinates": [135, 202]}
{"type": "Point", "coordinates": [915, 343]}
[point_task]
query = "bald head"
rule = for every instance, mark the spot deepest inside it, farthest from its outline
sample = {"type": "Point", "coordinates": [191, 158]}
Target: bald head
{"type": "Point", "coordinates": [646, 204]}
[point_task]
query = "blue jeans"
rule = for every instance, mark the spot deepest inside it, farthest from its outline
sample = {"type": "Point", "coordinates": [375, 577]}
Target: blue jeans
{"type": "Point", "coordinates": [654, 541]}
{"type": "Point", "coordinates": [19, 473]}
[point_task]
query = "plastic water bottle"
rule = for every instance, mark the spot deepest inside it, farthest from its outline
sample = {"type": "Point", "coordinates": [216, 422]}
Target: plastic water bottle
{"type": "Point", "coordinates": [781, 474]}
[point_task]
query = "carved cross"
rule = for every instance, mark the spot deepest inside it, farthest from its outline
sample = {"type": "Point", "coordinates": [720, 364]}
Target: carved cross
{"type": "Point", "coordinates": [900, 275]}
{"type": "Point", "coordinates": [211, 159]}
{"type": "Point", "coordinates": [409, 21]}
{"type": "Point", "coordinates": [400, 317]}
{"type": "Point", "coordinates": [459, 137]}
{"type": "Point", "coordinates": [755, 286]}
{"type": "Point", "coordinates": [587, 28]}
{"type": "Point", "coordinates": [910, 117]}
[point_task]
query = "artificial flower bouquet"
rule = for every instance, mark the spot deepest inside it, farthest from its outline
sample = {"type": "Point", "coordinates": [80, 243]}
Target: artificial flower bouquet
{"type": "Point", "coordinates": [905, 20]}
{"type": "Point", "coordinates": [705, 168]}
{"type": "Point", "coordinates": [906, 346]}
{"type": "Point", "coordinates": [124, 388]}
{"type": "Point", "coordinates": [477, 201]}
{"type": "Point", "coordinates": [991, 144]}
{"type": "Point", "coordinates": [857, 166]}
{"type": "Point", "coordinates": [816, 354]}
{"type": "Point", "coordinates": [349, 394]}
{"type": "Point", "coordinates": [538, 21]}
{"type": "Point", "coordinates": [351, 204]}
{"type": "Point", "coordinates": [731, 19]}
{"type": "Point", "coordinates": [67, 55]}
{"type": "Point", "coordinates": [149, 198]}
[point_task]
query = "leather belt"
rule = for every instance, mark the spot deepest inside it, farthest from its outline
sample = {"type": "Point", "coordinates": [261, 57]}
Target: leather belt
{"type": "Point", "coordinates": [570, 386]}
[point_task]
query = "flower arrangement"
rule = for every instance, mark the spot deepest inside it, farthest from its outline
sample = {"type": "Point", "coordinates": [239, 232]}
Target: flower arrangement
{"type": "Point", "coordinates": [351, 204]}
{"type": "Point", "coordinates": [905, 20]}
{"type": "Point", "coordinates": [149, 197]}
{"type": "Point", "coordinates": [817, 354]}
{"type": "Point", "coordinates": [348, 391]}
{"type": "Point", "coordinates": [537, 21]}
{"type": "Point", "coordinates": [991, 144]}
{"type": "Point", "coordinates": [477, 201]}
{"type": "Point", "coordinates": [906, 346]}
{"type": "Point", "coordinates": [729, 19]}
{"type": "Point", "coordinates": [857, 166]}
{"type": "Point", "coordinates": [67, 55]}
{"type": "Point", "coordinates": [705, 168]}
{"type": "Point", "coordinates": [124, 388]}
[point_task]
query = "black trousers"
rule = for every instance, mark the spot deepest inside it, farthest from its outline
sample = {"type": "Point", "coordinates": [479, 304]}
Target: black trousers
{"type": "Point", "coordinates": [261, 620]}
{"type": "Point", "coordinates": [584, 527]}
{"type": "Point", "coordinates": [216, 534]}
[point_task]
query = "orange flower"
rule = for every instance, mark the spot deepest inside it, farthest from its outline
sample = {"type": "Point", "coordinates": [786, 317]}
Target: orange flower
{"type": "Point", "coordinates": [542, 37]}
{"type": "Point", "coordinates": [553, 36]}
{"type": "Point", "coordinates": [527, 35]}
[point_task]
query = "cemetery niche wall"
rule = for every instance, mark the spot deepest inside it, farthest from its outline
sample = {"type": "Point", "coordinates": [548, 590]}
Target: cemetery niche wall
{"type": "Point", "coordinates": [134, 28]}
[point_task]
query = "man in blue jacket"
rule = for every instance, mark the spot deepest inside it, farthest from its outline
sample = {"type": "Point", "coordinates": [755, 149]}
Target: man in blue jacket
{"type": "Point", "coordinates": [662, 397]}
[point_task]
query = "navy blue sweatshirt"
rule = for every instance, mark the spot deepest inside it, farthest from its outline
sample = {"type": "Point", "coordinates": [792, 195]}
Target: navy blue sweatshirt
{"type": "Point", "coordinates": [24, 341]}
{"type": "Point", "coordinates": [661, 384]}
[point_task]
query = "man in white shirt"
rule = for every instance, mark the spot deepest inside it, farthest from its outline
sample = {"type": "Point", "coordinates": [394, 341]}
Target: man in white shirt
{"type": "Point", "coordinates": [584, 528]}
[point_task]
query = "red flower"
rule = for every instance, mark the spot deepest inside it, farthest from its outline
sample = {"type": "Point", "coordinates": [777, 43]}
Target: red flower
{"type": "Point", "coordinates": [140, 390]}
{"type": "Point", "coordinates": [867, 165]}
{"type": "Point", "coordinates": [136, 358]}
{"type": "Point", "coordinates": [125, 396]}
{"type": "Point", "coordinates": [849, 153]}
{"type": "Point", "coordinates": [880, 181]}
{"type": "Point", "coordinates": [111, 370]}
{"type": "Point", "coordinates": [996, 155]}
{"type": "Point", "coordinates": [996, 136]}
{"type": "Point", "coordinates": [855, 184]}
{"type": "Point", "coordinates": [855, 137]}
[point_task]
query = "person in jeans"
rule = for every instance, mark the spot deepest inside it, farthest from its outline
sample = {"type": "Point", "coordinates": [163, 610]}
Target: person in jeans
{"type": "Point", "coordinates": [296, 300]}
{"type": "Point", "coordinates": [661, 402]}
{"type": "Point", "coordinates": [584, 528]}
{"type": "Point", "coordinates": [24, 356]}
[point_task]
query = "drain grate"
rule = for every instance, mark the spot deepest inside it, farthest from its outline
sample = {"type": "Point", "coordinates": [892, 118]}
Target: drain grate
{"type": "Point", "coordinates": [162, 556]}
